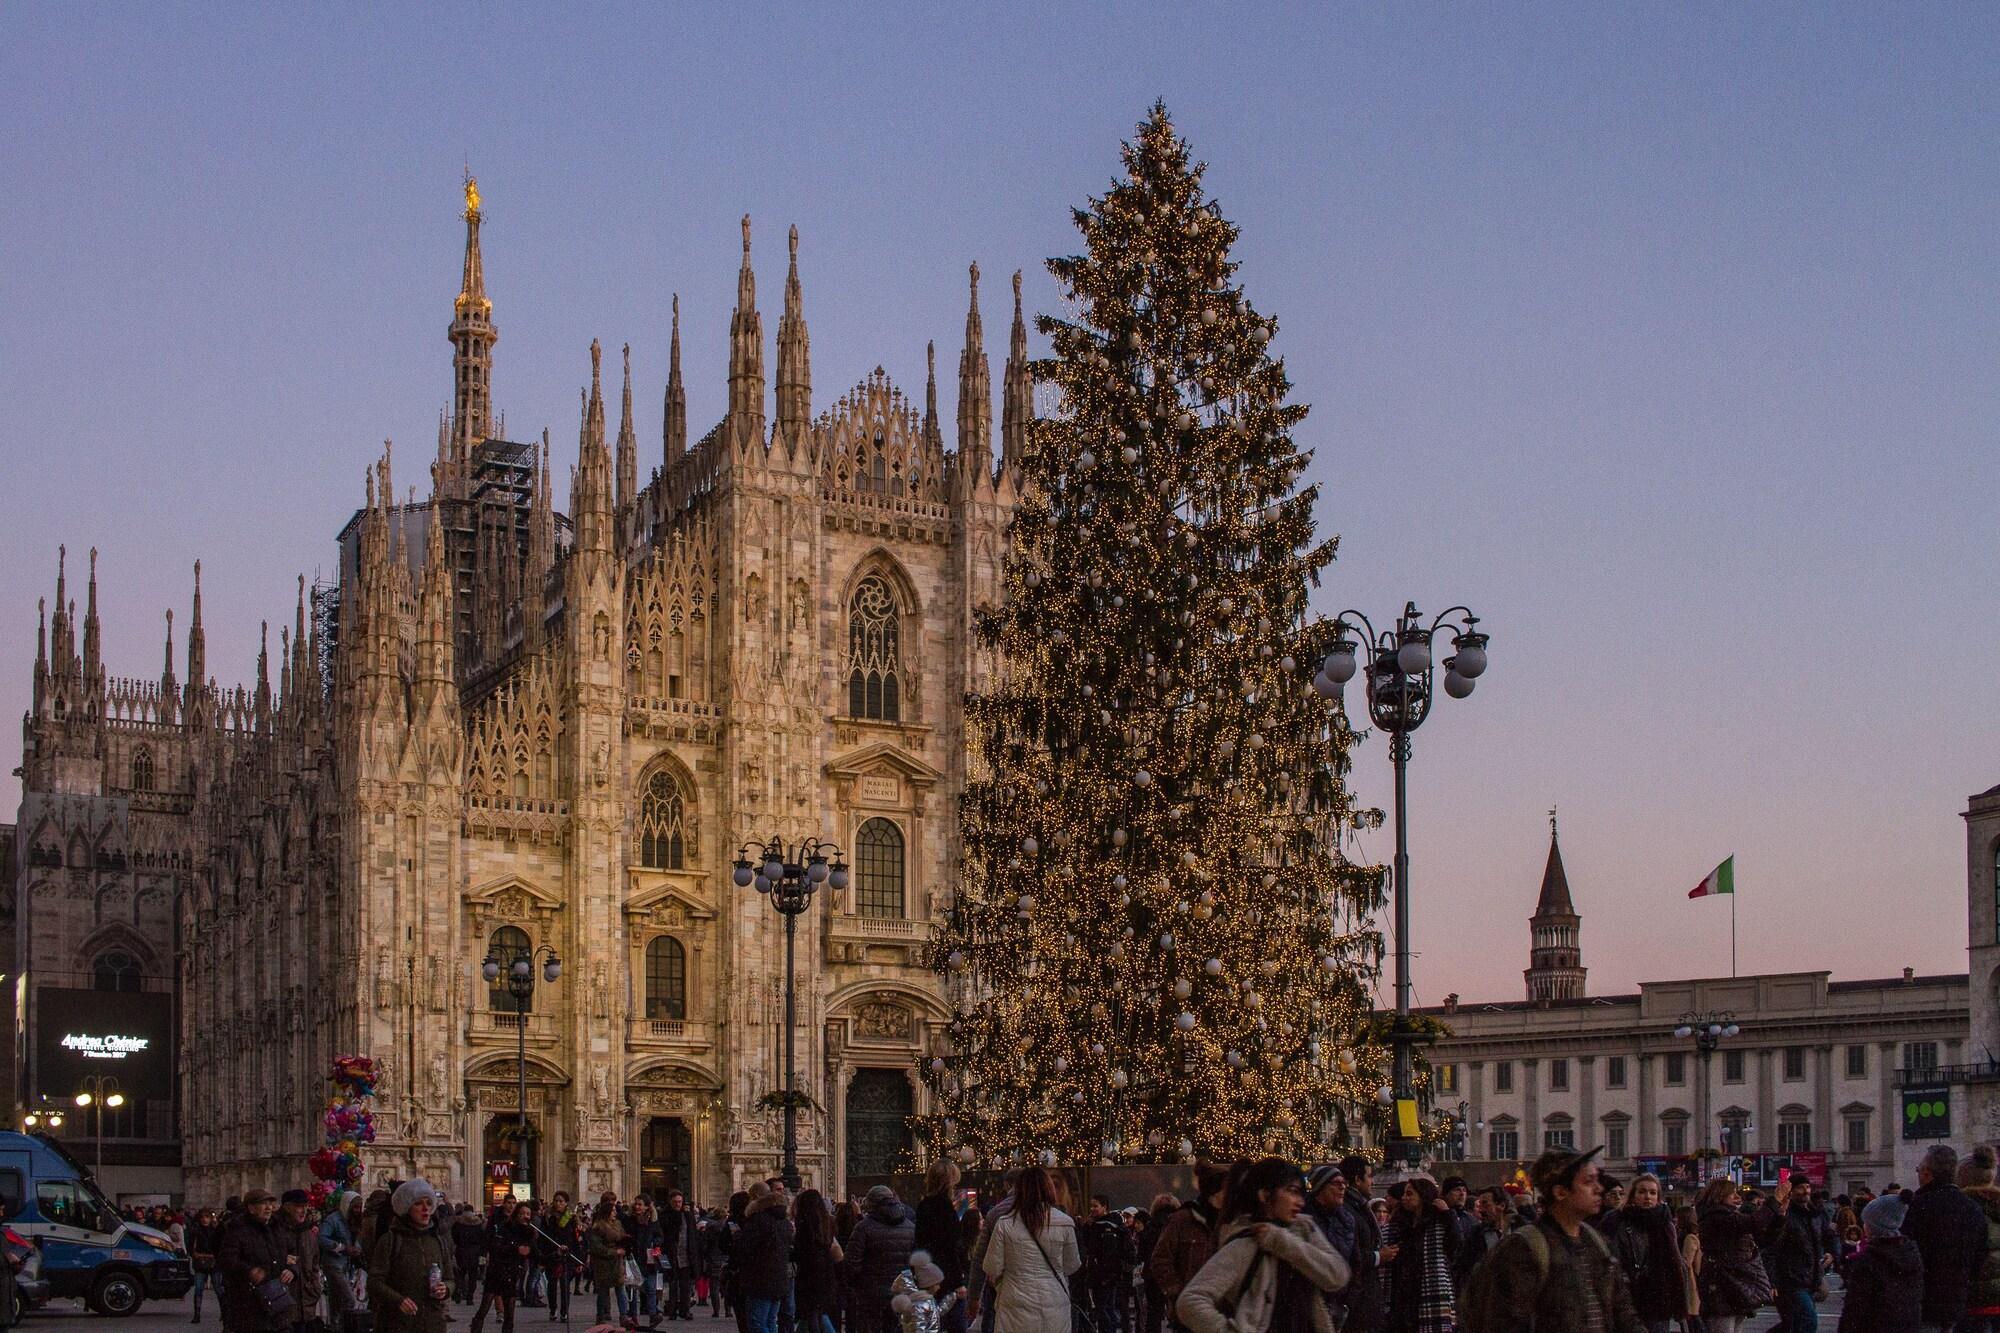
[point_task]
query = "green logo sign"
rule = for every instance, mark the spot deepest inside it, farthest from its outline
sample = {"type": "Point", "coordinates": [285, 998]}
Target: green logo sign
{"type": "Point", "coordinates": [1927, 1112]}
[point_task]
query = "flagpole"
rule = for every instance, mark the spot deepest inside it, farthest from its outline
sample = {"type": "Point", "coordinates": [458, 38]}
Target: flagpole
{"type": "Point", "coordinates": [1732, 932]}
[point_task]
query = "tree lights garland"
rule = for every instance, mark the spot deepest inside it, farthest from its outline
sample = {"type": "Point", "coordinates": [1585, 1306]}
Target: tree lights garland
{"type": "Point", "coordinates": [1157, 950]}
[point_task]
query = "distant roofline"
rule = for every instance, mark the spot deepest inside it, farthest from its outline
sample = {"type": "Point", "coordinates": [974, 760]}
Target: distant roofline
{"type": "Point", "coordinates": [1634, 997]}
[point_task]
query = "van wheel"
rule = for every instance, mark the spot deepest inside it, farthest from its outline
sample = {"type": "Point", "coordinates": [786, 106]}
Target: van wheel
{"type": "Point", "coordinates": [117, 1294]}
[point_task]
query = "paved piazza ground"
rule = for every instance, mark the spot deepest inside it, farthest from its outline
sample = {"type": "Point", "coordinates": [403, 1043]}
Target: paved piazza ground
{"type": "Point", "coordinates": [166, 1316]}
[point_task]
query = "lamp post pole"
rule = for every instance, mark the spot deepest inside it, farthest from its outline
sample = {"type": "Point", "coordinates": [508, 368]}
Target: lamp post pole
{"type": "Point", "coordinates": [521, 985]}
{"type": "Point", "coordinates": [1708, 1030]}
{"type": "Point", "coordinates": [790, 877]}
{"type": "Point", "coordinates": [99, 1091]}
{"type": "Point", "coordinates": [1399, 669]}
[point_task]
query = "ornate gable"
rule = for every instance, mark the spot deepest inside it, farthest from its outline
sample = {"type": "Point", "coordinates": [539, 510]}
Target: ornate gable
{"type": "Point", "coordinates": [872, 448]}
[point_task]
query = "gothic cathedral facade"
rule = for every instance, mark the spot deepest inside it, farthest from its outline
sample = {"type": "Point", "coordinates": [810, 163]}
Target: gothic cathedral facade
{"type": "Point", "coordinates": [508, 730]}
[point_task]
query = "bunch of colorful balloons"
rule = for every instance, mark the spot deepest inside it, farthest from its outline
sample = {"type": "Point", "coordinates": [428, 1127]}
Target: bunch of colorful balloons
{"type": "Point", "coordinates": [348, 1124]}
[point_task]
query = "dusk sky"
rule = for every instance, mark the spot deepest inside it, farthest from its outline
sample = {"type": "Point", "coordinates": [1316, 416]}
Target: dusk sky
{"type": "Point", "coordinates": [1665, 337]}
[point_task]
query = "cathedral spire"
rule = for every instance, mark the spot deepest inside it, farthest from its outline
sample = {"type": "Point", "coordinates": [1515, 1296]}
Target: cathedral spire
{"type": "Point", "coordinates": [197, 649]}
{"type": "Point", "coordinates": [435, 631]}
{"type": "Point", "coordinates": [746, 355]}
{"type": "Point", "coordinates": [933, 434]}
{"type": "Point", "coordinates": [794, 359]}
{"type": "Point", "coordinates": [64, 635]}
{"type": "Point", "coordinates": [591, 494]}
{"type": "Point", "coordinates": [263, 697]}
{"type": "Point", "coordinates": [472, 337]}
{"type": "Point", "coordinates": [1018, 390]}
{"type": "Point", "coordinates": [628, 448]}
{"type": "Point", "coordinates": [93, 656]}
{"type": "Point", "coordinates": [975, 395]}
{"type": "Point", "coordinates": [170, 687]}
{"type": "Point", "coordinates": [676, 428]}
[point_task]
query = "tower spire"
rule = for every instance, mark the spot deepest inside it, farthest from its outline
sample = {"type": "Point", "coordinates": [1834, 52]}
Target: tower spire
{"type": "Point", "coordinates": [676, 428]}
{"type": "Point", "coordinates": [746, 355]}
{"type": "Point", "coordinates": [1555, 953]}
{"type": "Point", "coordinates": [93, 656]}
{"type": "Point", "coordinates": [592, 491]}
{"type": "Point", "coordinates": [1017, 391]}
{"type": "Point", "coordinates": [794, 359]}
{"type": "Point", "coordinates": [975, 392]}
{"type": "Point", "coordinates": [628, 451]}
{"type": "Point", "coordinates": [472, 337]}
{"type": "Point", "coordinates": [263, 696]}
{"type": "Point", "coordinates": [933, 436]}
{"type": "Point", "coordinates": [197, 650]}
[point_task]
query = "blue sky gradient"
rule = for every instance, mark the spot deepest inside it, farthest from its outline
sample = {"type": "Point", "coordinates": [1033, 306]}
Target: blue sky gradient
{"type": "Point", "coordinates": [1663, 335]}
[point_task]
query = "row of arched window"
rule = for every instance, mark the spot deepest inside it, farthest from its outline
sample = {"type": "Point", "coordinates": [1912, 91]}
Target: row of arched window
{"type": "Point", "coordinates": [878, 892]}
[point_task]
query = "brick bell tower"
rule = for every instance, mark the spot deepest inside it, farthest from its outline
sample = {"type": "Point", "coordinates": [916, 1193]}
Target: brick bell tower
{"type": "Point", "coordinates": [1555, 956]}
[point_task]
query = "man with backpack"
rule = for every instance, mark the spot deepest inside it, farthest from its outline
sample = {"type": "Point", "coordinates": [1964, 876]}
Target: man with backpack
{"type": "Point", "coordinates": [1556, 1275]}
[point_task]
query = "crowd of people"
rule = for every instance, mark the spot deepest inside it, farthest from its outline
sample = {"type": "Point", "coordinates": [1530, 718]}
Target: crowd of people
{"type": "Point", "coordinates": [1263, 1247]}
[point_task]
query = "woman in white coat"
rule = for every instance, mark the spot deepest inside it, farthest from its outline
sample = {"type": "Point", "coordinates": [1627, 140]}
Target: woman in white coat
{"type": "Point", "coordinates": [1030, 1258]}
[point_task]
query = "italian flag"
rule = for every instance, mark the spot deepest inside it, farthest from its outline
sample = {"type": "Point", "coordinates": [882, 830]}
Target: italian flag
{"type": "Point", "coordinates": [1722, 879]}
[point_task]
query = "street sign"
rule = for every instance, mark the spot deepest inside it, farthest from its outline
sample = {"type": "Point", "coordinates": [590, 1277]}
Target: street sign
{"type": "Point", "coordinates": [1927, 1112]}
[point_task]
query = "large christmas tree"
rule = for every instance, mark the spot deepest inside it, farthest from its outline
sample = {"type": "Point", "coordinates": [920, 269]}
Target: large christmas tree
{"type": "Point", "coordinates": [1157, 948]}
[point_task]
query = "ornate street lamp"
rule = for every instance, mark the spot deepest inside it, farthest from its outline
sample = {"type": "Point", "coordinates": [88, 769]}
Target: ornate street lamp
{"type": "Point", "coordinates": [521, 985]}
{"type": "Point", "coordinates": [1400, 690]}
{"type": "Point", "coordinates": [1708, 1029]}
{"type": "Point", "coordinates": [790, 878]}
{"type": "Point", "coordinates": [98, 1092]}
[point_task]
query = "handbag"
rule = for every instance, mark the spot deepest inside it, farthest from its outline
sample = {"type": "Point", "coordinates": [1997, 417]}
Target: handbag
{"type": "Point", "coordinates": [630, 1275]}
{"type": "Point", "coordinates": [276, 1297]}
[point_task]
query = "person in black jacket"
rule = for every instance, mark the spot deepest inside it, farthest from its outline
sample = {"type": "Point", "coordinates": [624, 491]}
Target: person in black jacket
{"type": "Point", "coordinates": [938, 1232]}
{"type": "Point", "coordinates": [252, 1250]}
{"type": "Point", "coordinates": [644, 1228]}
{"type": "Point", "coordinates": [761, 1258]}
{"type": "Point", "coordinates": [879, 1249]}
{"type": "Point", "coordinates": [1366, 1309]}
{"type": "Point", "coordinates": [468, 1244]}
{"type": "Point", "coordinates": [682, 1256]}
{"type": "Point", "coordinates": [1949, 1230]}
{"type": "Point", "coordinates": [1885, 1281]}
{"type": "Point", "coordinates": [204, 1239]}
{"type": "Point", "coordinates": [508, 1241]}
{"type": "Point", "coordinates": [815, 1263]}
{"type": "Point", "coordinates": [1791, 1252]}
{"type": "Point", "coordinates": [1109, 1253]}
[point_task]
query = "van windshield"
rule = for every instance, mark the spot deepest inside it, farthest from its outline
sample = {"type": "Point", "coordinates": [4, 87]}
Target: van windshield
{"type": "Point", "coordinates": [74, 1203]}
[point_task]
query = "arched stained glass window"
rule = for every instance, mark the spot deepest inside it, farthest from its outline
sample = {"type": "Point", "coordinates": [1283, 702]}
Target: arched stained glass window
{"type": "Point", "coordinates": [116, 971]}
{"type": "Point", "coordinates": [874, 652]}
{"type": "Point", "coordinates": [878, 869]}
{"type": "Point", "coordinates": [666, 833]}
{"type": "Point", "coordinates": [142, 770]}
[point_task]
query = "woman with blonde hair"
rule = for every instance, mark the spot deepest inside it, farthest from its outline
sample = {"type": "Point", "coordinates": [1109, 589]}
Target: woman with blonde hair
{"type": "Point", "coordinates": [1030, 1258]}
{"type": "Point", "coordinates": [939, 1234]}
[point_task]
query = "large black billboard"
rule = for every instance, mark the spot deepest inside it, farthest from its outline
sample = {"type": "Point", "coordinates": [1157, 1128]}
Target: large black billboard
{"type": "Point", "coordinates": [124, 1034]}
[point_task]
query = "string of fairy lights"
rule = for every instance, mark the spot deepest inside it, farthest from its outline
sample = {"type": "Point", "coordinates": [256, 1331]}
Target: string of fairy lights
{"type": "Point", "coordinates": [1158, 950]}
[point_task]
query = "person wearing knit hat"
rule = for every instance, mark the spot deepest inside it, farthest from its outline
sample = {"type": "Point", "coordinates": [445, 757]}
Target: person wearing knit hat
{"type": "Point", "coordinates": [339, 1249]}
{"type": "Point", "coordinates": [1885, 1282]}
{"type": "Point", "coordinates": [410, 1268]}
{"type": "Point", "coordinates": [409, 1193]}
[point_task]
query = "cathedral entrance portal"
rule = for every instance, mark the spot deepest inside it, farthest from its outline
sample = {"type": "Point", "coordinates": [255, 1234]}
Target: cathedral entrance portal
{"type": "Point", "coordinates": [879, 1105]}
{"type": "Point", "coordinates": [502, 1134]}
{"type": "Point", "coordinates": [666, 1157]}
